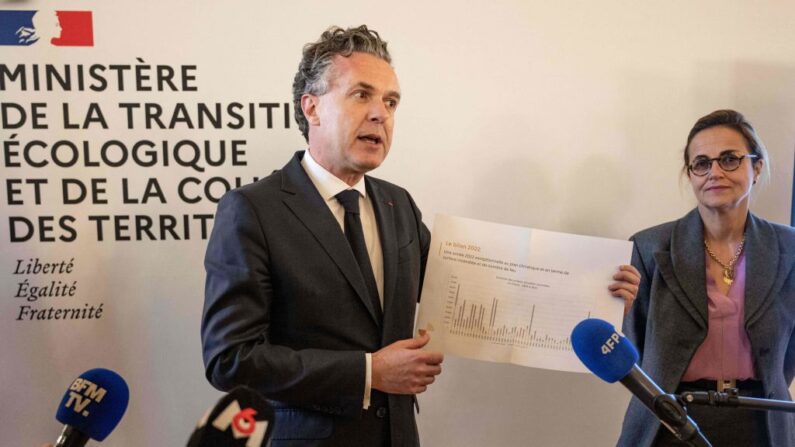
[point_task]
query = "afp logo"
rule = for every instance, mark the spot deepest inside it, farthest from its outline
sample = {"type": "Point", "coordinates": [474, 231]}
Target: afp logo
{"type": "Point", "coordinates": [611, 343]}
{"type": "Point", "coordinates": [57, 28]}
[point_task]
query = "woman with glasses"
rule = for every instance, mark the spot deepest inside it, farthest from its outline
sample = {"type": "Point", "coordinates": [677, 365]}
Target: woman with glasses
{"type": "Point", "coordinates": [716, 304]}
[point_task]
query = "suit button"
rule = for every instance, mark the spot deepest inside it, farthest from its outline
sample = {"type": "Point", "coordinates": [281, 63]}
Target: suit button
{"type": "Point", "coordinates": [380, 412]}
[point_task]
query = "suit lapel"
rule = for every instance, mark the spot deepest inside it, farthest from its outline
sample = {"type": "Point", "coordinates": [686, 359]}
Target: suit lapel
{"type": "Point", "coordinates": [765, 267]}
{"type": "Point", "coordinates": [308, 206]}
{"type": "Point", "coordinates": [384, 216]}
{"type": "Point", "coordinates": [684, 270]}
{"type": "Point", "coordinates": [683, 267]}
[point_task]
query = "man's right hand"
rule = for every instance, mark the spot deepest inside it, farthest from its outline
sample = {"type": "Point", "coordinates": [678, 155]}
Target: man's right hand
{"type": "Point", "coordinates": [404, 368]}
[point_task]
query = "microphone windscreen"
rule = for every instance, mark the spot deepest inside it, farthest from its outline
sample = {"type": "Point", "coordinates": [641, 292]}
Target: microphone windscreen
{"type": "Point", "coordinates": [94, 403]}
{"type": "Point", "coordinates": [605, 352]}
{"type": "Point", "coordinates": [240, 418]}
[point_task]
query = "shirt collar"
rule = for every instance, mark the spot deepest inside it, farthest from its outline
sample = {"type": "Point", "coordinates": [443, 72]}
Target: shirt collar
{"type": "Point", "coordinates": [326, 183]}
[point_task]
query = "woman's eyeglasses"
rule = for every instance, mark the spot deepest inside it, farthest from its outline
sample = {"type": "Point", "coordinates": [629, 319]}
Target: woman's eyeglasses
{"type": "Point", "coordinates": [728, 162]}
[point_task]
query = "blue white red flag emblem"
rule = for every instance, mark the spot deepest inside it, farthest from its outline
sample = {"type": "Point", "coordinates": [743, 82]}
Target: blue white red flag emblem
{"type": "Point", "coordinates": [58, 28]}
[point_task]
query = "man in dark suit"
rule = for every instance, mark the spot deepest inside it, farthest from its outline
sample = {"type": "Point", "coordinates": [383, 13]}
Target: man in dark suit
{"type": "Point", "coordinates": [313, 273]}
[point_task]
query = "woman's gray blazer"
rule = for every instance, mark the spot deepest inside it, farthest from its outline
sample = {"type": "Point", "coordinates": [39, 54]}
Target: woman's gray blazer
{"type": "Point", "coordinates": [668, 320]}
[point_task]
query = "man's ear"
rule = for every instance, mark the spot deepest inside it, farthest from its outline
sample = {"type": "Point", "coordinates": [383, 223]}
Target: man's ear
{"type": "Point", "coordinates": [309, 105]}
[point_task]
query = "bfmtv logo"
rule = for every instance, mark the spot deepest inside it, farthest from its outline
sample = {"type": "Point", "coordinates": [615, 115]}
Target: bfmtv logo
{"type": "Point", "coordinates": [82, 392]}
{"type": "Point", "coordinates": [243, 424]}
{"type": "Point", "coordinates": [58, 28]}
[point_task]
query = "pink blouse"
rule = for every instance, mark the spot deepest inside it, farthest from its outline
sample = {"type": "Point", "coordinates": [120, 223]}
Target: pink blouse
{"type": "Point", "coordinates": [726, 352]}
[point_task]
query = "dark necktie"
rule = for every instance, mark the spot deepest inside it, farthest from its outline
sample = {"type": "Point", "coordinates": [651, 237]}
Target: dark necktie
{"type": "Point", "coordinates": [355, 235]}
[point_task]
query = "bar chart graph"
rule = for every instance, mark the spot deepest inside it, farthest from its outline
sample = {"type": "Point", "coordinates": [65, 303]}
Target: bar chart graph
{"type": "Point", "coordinates": [507, 317]}
{"type": "Point", "coordinates": [508, 294]}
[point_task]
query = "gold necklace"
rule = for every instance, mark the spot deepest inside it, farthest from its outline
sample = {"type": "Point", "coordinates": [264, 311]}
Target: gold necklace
{"type": "Point", "coordinates": [728, 269]}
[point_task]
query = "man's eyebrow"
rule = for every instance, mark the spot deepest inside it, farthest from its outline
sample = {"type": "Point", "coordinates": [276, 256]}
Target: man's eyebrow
{"type": "Point", "coordinates": [364, 85]}
{"type": "Point", "coordinates": [370, 88]}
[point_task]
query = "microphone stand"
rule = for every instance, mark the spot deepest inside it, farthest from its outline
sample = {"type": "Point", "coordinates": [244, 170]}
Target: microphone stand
{"type": "Point", "coordinates": [732, 398]}
{"type": "Point", "coordinates": [674, 416]}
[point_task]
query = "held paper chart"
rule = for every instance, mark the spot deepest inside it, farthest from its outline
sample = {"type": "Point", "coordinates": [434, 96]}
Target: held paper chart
{"type": "Point", "coordinates": [510, 294]}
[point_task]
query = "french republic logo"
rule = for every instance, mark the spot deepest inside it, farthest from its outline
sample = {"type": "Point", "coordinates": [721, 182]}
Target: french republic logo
{"type": "Point", "coordinates": [58, 28]}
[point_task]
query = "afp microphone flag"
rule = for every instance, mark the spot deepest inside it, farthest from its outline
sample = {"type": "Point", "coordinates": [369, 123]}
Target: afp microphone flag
{"type": "Point", "coordinates": [605, 352]}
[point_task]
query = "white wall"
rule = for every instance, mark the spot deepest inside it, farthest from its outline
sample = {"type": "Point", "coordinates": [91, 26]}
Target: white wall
{"type": "Point", "coordinates": [567, 116]}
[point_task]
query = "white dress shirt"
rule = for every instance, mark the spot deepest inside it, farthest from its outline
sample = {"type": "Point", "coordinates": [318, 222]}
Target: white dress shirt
{"type": "Point", "coordinates": [328, 185]}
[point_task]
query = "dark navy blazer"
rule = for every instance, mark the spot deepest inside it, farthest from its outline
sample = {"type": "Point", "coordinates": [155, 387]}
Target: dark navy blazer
{"type": "Point", "coordinates": [286, 308]}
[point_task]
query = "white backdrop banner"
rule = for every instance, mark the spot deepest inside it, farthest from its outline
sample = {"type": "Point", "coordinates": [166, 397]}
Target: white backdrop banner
{"type": "Point", "coordinates": [116, 147]}
{"type": "Point", "coordinates": [124, 122]}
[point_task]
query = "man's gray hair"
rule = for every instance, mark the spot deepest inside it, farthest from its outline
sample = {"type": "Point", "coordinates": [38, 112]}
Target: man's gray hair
{"type": "Point", "coordinates": [312, 76]}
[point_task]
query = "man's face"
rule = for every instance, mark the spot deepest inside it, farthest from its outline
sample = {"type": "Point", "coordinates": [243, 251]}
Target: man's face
{"type": "Point", "coordinates": [350, 126]}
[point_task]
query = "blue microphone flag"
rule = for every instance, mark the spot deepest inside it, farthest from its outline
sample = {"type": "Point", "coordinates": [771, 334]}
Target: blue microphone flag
{"type": "Point", "coordinates": [605, 352]}
{"type": "Point", "coordinates": [94, 403]}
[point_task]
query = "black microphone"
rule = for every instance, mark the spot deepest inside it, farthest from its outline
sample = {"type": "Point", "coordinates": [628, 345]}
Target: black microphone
{"type": "Point", "coordinates": [612, 357]}
{"type": "Point", "coordinates": [91, 407]}
{"type": "Point", "coordinates": [240, 418]}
